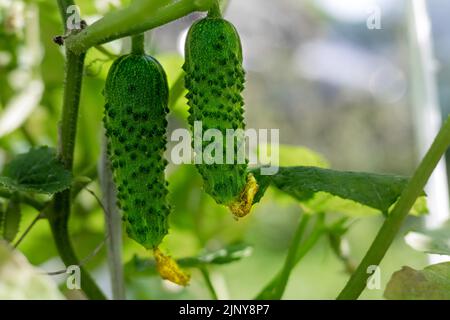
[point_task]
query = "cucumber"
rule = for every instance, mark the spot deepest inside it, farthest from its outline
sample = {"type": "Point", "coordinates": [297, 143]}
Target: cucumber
{"type": "Point", "coordinates": [137, 97]}
{"type": "Point", "coordinates": [137, 94]}
{"type": "Point", "coordinates": [215, 80]}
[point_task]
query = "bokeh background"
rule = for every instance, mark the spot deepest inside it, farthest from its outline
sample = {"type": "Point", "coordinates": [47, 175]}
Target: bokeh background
{"type": "Point", "coordinates": [315, 71]}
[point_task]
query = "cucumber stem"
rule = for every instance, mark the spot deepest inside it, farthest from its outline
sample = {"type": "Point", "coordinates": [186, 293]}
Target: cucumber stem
{"type": "Point", "coordinates": [138, 44]}
{"type": "Point", "coordinates": [215, 12]}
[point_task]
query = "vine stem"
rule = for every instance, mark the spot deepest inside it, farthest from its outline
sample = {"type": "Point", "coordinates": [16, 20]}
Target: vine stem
{"type": "Point", "coordinates": [209, 283]}
{"type": "Point", "coordinates": [140, 16]}
{"type": "Point", "coordinates": [393, 222]}
{"type": "Point", "coordinates": [215, 10]}
{"type": "Point", "coordinates": [138, 44]}
{"type": "Point", "coordinates": [39, 216]}
{"type": "Point", "coordinates": [276, 287]}
{"type": "Point", "coordinates": [59, 214]}
{"type": "Point", "coordinates": [290, 258]}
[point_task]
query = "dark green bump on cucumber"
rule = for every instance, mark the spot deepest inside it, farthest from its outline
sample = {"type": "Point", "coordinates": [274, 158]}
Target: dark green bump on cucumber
{"type": "Point", "coordinates": [215, 81]}
{"type": "Point", "coordinates": [136, 94]}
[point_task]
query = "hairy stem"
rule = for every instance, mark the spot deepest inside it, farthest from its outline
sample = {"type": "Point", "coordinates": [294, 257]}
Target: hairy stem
{"type": "Point", "coordinates": [140, 16]}
{"type": "Point", "coordinates": [71, 102]}
{"type": "Point", "coordinates": [59, 215]}
{"type": "Point", "coordinates": [58, 223]}
{"type": "Point", "coordinates": [392, 224]}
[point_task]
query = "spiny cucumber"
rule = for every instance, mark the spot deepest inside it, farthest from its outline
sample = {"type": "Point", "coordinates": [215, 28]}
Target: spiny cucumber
{"type": "Point", "coordinates": [215, 80]}
{"type": "Point", "coordinates": [137, 95]}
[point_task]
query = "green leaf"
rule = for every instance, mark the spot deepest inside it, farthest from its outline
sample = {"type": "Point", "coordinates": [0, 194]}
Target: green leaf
{"type": "Point", "coordinates": [289, 155]}
{"type": "Point", "coordinates": [377, 191]}
{"type": "Point", "coordinates": [36, 171]}
{"type": "Point", "coordinates": [11, 221]}
{"type": "Point", "coordinates": [326, 202]}
{"type": "Point", "coordinates": [373, 190]}
{"type": "Point", "coordinates": [222, 256]}
{"type": "Point", "coordinates": [436, 241]}
{"type": "Point", "coordinates": [431, 283]}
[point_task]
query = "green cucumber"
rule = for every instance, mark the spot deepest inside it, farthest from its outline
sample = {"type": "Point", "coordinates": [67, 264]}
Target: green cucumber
{"type": "Point", "coordinates": [215, 80]}
{"type": "Point", "coordinates": [137, 94]}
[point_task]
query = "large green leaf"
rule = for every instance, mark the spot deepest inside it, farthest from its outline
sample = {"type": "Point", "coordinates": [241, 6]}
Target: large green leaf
{"type": "Point", "coordinates": [377, 191]}
{"type": "Point", "coordinates": [431, 283]}
{"type": "Point", "coordinates": [225, 255]}
{"type": "Point", "coordinates": [36, 171]}
{"type": "Point", "coordinates": [326, 202]}
{"type": "Point", "coordinates": [435, 241]}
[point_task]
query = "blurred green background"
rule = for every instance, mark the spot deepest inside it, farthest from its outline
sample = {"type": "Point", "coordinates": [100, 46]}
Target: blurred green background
{"type": "Point", "coordinates": [314, 71]}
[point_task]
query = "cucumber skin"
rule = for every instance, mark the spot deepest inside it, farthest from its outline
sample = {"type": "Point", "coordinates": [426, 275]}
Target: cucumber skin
{"type": "Point", "coordinates": [137, 95]}
{"type": "Point", "coordinates": [215, 80]}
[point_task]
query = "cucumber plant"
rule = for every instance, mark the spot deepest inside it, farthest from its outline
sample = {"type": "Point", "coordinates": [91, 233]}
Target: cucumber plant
{"type": "Point", "coordinates": [136, 94]}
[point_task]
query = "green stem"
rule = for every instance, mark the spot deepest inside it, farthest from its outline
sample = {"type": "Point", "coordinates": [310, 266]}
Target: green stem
{"type": "Point", "coordinates": [71, 102]}
{"type": "Point", "coordinates": [271, 291]}
{"type": "Point", "coordinates": [289, 263]}
{"type": "Point", "coordinates": [138, 44]}
{"type": "Point", "coordinates": [58, 218]}
{"type": "Point", "coordinates": [60, 213]}
{"type": "Point", "coordinates": [140, 16]}
{"type": "Point", "coordinates": [214, 11]}
{"type": "Point", "coordinates": [28, 229]}
{"type": "Point", "coordinates": [208, 282]}
{"type": "Point", "coordinates": [392, 224]}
